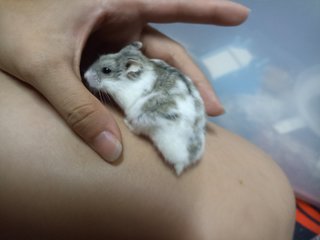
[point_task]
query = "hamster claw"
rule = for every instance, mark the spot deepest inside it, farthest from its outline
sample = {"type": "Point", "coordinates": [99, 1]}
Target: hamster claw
{"type": "Point", "coordinates": [129, 126]}
{"type": "Point", "coordinates": [137, 44]}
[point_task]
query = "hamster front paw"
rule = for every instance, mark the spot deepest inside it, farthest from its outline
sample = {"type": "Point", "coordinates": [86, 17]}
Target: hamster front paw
{"type": "Point", "coordinates": [129, 126]}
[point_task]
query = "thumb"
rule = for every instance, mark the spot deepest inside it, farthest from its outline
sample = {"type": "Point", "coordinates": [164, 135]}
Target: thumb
{"type": "Point", "coordinates": [82, 112]}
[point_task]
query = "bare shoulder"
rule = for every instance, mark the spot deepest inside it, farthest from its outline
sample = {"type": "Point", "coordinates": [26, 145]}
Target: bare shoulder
{"type": "Point", "coordinates": [49, 177]}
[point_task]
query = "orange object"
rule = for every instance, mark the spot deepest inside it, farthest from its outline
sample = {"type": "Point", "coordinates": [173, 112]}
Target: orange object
{"type": "Point", "coordinates": [308, 216]}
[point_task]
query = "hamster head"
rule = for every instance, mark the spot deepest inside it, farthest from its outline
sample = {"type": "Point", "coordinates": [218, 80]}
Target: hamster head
{"type": "Point", "coordinates": [114, 73]}
{"type": "Point", "coordinates": [126, 64]}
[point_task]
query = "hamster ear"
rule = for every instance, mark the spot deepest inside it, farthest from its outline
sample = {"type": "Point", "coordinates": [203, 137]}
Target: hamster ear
{"type": "Point", "coordinates": [137, 44]}
{"type": "Point", "coordinates": [133, 68]}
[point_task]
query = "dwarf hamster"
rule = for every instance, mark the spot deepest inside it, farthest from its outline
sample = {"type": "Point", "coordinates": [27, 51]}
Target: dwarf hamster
{"type": "Point", "coordinates": [158, 101]}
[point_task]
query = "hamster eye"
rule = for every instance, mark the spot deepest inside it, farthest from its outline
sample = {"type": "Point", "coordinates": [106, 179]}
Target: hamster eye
{"type": "Point", "coordinates": [106, 70]}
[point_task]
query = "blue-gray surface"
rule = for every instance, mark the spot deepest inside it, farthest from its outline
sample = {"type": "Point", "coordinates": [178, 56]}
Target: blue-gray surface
{"type": "Point", "coordinates": [267, 74]}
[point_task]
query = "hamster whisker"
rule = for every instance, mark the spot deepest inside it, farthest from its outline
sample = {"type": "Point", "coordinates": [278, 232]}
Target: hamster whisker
{"type": "Point", "coordinates": [101, 97]}
{"type": "Point", "coordinates": [105, 98]}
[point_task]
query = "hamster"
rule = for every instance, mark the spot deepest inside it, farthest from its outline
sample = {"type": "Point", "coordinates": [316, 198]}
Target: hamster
{"type": "Point", "coordinates": [158, 101]}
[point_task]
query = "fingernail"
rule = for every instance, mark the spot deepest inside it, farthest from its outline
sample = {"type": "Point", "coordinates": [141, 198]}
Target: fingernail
{"type": "Point", "coordinates": [219, 110]}
{"type": "Point", "coordinates": [107, 146]}
{"type": "Point", "coordinates": [212, 102]}
{"type": "Point", "coordinates": [243, 7]}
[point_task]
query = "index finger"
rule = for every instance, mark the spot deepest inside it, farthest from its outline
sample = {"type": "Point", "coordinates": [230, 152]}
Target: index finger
{"type": "Point", "coordinates": [220, 12]}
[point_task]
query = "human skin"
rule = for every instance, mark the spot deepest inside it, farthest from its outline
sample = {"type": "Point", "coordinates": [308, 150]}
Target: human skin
{"type": "Point", "coordinates": [41, 43]}
{"type": "Point", "coordinates": [53, 186]}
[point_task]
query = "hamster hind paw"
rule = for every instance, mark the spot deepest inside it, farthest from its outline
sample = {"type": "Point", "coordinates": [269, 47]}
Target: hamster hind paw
{"type": "Point", "coordinates": [179, 167]}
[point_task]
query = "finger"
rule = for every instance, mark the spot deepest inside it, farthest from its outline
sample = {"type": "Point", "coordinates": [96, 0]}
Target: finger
{"type": "Point", "coordinates": [82, 112]}
{"type": "Point", "coordinates": [157, 45]}
{"type": "Point", "coordinates": [220, 12]}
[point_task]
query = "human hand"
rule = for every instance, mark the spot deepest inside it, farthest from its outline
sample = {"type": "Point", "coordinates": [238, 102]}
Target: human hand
{"type": "Point", "coordinates": [41, 43]}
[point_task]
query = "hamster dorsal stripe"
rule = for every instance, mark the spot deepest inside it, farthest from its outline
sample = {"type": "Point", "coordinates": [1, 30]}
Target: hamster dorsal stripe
{"type": "Point", "coordinates": [167, 77]}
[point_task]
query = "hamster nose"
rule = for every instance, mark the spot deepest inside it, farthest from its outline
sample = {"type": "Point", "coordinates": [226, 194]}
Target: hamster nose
{"type": "Point", "coordinates": [88, 74]}
{"type": "Point", "coordinates": [91, 78]}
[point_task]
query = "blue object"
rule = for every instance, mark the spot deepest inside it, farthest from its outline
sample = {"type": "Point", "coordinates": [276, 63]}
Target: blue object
{"type": "Point", "coordinates": [267, 75]}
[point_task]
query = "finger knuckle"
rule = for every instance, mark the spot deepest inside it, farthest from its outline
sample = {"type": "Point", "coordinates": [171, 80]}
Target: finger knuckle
{"type": "Point", "coordinates": [81, 117]}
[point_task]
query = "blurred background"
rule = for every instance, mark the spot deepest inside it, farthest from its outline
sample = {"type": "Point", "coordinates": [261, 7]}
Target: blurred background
{"type": "Point", "coordinates": [267, 75]}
